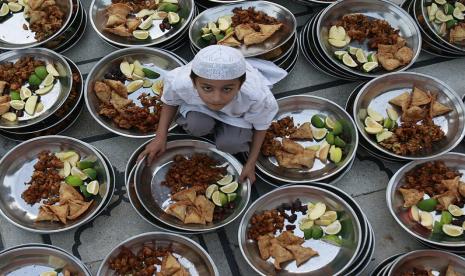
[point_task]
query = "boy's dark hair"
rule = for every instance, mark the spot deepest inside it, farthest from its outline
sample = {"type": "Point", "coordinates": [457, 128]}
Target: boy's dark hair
{"type": "Point", "coordinates": [194, 77]}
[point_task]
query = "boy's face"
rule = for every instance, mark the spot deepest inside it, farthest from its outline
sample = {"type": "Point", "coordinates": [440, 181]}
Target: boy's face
{"type": "Point", "coordinates": [216, 94]}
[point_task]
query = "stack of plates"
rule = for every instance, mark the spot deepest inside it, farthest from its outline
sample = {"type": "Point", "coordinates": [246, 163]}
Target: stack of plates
{"type": "Point", "coordinates": [16, 167]}
{"type": "Point", "coordinates": [190, 254]}
{"type": "Point", "coordinates": [206, 4]}
{"type": "Point", "coordinates": [149, 197]}
{"type": "Point", "coordinates": [434, 260]}
{"type": "Point", "coordinates": [433, 42]}
{"type": "Point", "coordinates": [63, 107]}
{"type": "Point", "coordinates": [376, 95]}
{"type": "Point", "coordinates": [402, 216]}
{"type": "Point", "coordinates": [14, 37]}
{"type": "Point", "coordinates": [350, 259]}
{"type": "Point", "coordinates": [301, 108]}
{"type": "Point", "coordinates": [36, 258]}
{"type": "Point", "coordinates": [317, 50]}
{"type": "Point", "coordinates": [315, 2]}
{"type": "Point", "coordinates": [170, 40]}
{"type": "Point", "coordinates": [158, 59]}
{"type": "Point", "coordinates": [282, 48]}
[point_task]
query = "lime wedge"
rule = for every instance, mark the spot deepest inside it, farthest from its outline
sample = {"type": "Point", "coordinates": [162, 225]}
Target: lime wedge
{"type": "Point", "coordinates": [17, 104]}
{"type": "Point", "coordinates": [329, 215]}
{"type": "Point", "coordinates": [392, 114]}
{"type": "Point", "coordinates": [458, 13]}
{"type": "Point", "coordinates": [334, 228]}
{"type": "Point", "coordinates": [337, 128]}
{"type": "Point", "coordinates": [448, 9]}
{"type": "Point", "coordinates": [374, 114]}
{"type": "Point", "coordinates": [146, 24]}
{"type": "Point", "coordinates": [230, 188]}
{"type": "Point", "coordinates": [381, 136]}
{"type": "Point", "coordinates": [134, 85]}
{"type": "Point", "coordinates": [353, 50]}
{"type": "Point", "coordinates": [51, 70]}
{"type": "Point", "coordinates": [455, 210]}
{"type": "Point", "coordinates": [147, 83]}
{"type": "Point", "coordinates": [31, 103]}
{"type": "Point", "coordinates": [373, 130]}
{"type": "Point", "coordinates": [369, 66]}
{"type": "Point", "coordinates": [339, 142]}
{"type": "Point", "coordinates": [75, 171]}
{"type": "Point", "coordinates": [330, 122]}
{"type": "Point", "coordinates": [330, 138]}
{"type": "Point", "coordinates": [305, 223]}
{"type": "Point", "coordinates": [372, 57]}
{"type": "Point", "coordinates": [14, 7]}
{"type": "Point", "coordinates": [335, 154]}
{"type": "Point", "coordinates": [371, 123]}
{"type": "Point", "coordinates": [460, 6]}
{"type": "Point", "coordinates": [173, 18]}
{"type": "Point", "coordinates": [145, 12]}
{"type": "Point", "coordinates": [91, 173]}
{"type": "Point", "coordinates": [219, 198]}
{"type": "Point", "coordinates": [10, 116]}
{"type": "Point", "coordinates": [319, 133]}
{"type": "Point", "coordinates": [4, 10]}
{"type": "Point", "coordinates": [210, 190]}
{"type": "Point", "coordinates": [452, 230]}
{"type": "Point", "coordinates": [225, 180]}
{"type": "Point", "coordinates": [349, 61]}
{"type": "Point", "coordinates": [441, 2]}
{"type": "Point", "coordinates": [44, 90]}
{"type": "Point", "coordinates": [316, 211]}
{"type": "Point", "coordinates": [39, 107]}
{"type": "Point", "coordinates": [442, 17]}
{"type": "Point", "coordinates": [24, 93]}
{"type": "Point", "coordinates": [140, 34]}
{"type": "Point", "coordinates": [337, 43]}
{"type": "Point", "coordinates": [317, 121]}
{"type": "Point", "coordinates": [66, 170]}
{"type": "Point", "coordinates": [231, 197]}
{"type": "Point", "coordinates": [48, 80]}
{"type": "Point", "coordinates": [340, 54]}
{"type": "Point", "coordinates": [49, 273]}
{"type": "Point", "coordinates": [313, 147]}
{"type": "Point", "coordinates": [86, 163]}
{"type": "Point", "coordinates": [73, 181]}
{"type": "Point", "coordinates": [93, 187]}
{"type": "Point", "coordinates": [360, 55]}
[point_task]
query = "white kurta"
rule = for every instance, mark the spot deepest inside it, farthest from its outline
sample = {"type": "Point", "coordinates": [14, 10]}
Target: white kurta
{"type": "Point", "coordinates": [253, 107]}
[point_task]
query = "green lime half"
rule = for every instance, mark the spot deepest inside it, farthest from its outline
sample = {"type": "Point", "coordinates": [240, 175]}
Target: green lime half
{"type": "Point", "coordinates": [330, 138]}
{"type": "Point", "coordinates": [337, 128]}
{"type": "Point", "coordinates": [317, 232]}
{"type": "Point", "coordinates": [317, 121]}
{"type": "Point", "coordinates": [73, 181]}
{"type": "Point", "coordinates": [219, 198]}
{"type": "Point", "coordinates": [339, 142]}
{"type": "Point", "coordinates": [14, 95]}
{"type": "Point", "coordinates": [428, 205]}
{"type": "Point", "coordinates": [91, 173]}
{"type": "Point", "coordinates": [41, 72]}
{"type": "Point", "coordinates": [150, 73]}
{"type": "Point", "coordinates": [34, 80]}
{"type": "Point", "coordinates": [83, 189]}
{"type": "Point", "coordinates": [446, 217]}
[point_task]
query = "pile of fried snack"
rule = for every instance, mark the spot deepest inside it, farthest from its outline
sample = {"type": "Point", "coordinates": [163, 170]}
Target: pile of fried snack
{"type": "Point", "coordinates": [191, 207]}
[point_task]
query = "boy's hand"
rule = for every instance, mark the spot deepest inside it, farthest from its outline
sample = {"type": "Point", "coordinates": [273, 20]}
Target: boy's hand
{"type": "Point", "coordinates": [154, 149]}
{"type": "Point", "coordinates": [248, 172]}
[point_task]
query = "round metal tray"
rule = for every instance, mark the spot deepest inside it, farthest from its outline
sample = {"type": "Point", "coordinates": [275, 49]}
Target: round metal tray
{"type": "Point", "coordinates": [395, 202]}
{"type": "Point", "coordinates": [428, 259]}
{"type": "Point", "coordinates": [191, 255]}
{"type": "Point", "coordinates": [158, 60]}
{"type": "Point", "coordinates": [33, 259]}
{"type": "Point", "coordinates": [16, 168]}
{"type": "Point", "coordinates": [21, 38]}
{"type": "Point", "coordinates": [98, 18]}
{"type": "Point", "coordinates": [377, 93]}
{"type": "Point", "coordinates": [155, 198]}
{"type": "Point", "coordinates": [332, 260]}
{"type": "Point", "coordinates": [302, 108]}
{"type": "Point", "coordinates": [54, 99]}
{"type": "Point", "coordinates": [272, 9]}
{"type": "Point", "coordinates": [379, 9]}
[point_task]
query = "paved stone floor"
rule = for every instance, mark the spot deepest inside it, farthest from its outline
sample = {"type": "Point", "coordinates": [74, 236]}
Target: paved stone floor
{"type": "Point", "coordinates": [366, 182]}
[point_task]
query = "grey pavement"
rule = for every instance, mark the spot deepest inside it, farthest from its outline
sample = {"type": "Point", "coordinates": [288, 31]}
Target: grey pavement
{"type": "Point", "coordinates": [366, 181]}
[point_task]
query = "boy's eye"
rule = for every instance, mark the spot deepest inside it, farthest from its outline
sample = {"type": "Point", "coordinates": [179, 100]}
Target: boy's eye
{"type": "Point", "coordinates": [206, 88]}
{"type": "Point", "coordinates": [227, 89]}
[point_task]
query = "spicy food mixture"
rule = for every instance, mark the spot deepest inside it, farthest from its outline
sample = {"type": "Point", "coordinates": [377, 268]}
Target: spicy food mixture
{"type": "Point", "coordinates": [113, 94]}
{"type": "Point", "coordinates": [244, 27]}
{"type": "Point", "coordinates": [148, 261]}
{"type": "Point", "coordinates": [433, 190]}
{"type": "Point", "coordinates": [283, 141]}
{"type": "Point", "coordinates": [390, 50]}
{"type": "Point", "coordinates": [201, 190]}
{"type": "Point", "coordinates": [64, 185]}
{"type": "Point", "coordinates": [415, 133]}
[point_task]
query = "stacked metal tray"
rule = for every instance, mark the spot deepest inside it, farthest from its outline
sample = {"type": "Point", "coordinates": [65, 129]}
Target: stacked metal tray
{"type": "Point", "coordinates": [317, 50]}
{"type": "Point", "coordinates": [37, 258]}
{"type": "Point", "coordinates": [389, 86]}
{"type": "Point", "coordinates": [349, 259]}
{"type": "Point", "coordinates": [172, 39]}
{"type": "Point", "coordinates": [433, 42]}
{"type": "Point", "coordinates": [16, 167]}
{"type": "Point", "coordinates": [66, 37]}
{"type": "Point", "coordinates": [284, 42]}
{"type": "Point", "coordinates": [206, 4]}
{"type": "Point", "coordinates": [430, 260]}
{"type": "Point", "coordinates": [64, 109]}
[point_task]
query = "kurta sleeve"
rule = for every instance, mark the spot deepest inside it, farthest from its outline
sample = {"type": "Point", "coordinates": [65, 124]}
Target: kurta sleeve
{"type": "Point", "coordinates": [262, 113]}
{"type": "Point", "coordinates": [170, 94]}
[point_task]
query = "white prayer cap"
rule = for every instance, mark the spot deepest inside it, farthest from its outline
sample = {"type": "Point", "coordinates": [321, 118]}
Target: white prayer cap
{"type": "Point", "coordinates": [219, 62]}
